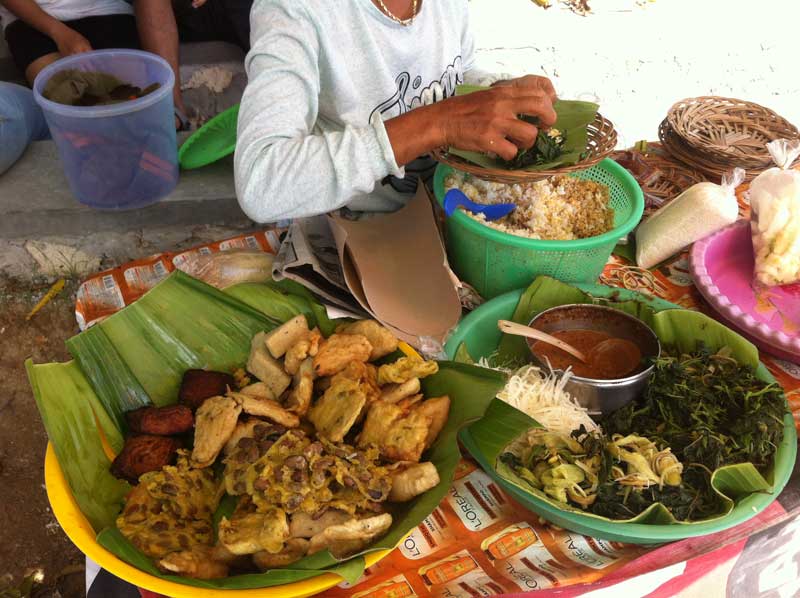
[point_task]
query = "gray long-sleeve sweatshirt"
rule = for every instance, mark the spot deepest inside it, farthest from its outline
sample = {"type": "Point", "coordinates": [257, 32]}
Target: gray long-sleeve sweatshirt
{"type": "Point", "coordinates": [323, 76]}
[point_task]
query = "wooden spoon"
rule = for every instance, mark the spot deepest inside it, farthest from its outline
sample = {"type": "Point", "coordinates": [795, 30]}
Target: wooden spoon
{"type": "Point", "coordinates": [528, 332]}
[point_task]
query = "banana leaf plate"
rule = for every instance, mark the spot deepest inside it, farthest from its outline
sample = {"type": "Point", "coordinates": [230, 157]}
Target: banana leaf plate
{"type": "Point", "coordinates": [137, 357]}
{"type": "Point", "coordinates": [477, 336]}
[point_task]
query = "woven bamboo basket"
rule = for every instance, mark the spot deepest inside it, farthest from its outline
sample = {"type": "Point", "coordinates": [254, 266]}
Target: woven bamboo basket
{"type": "Point", "coordinates": [697, 160]}
{"type": "Point", "coordinates": [729, 131]}
{"type": "Point", "coordinates": [602, 141]}
{"type": "Point", "coordinates": [669, 178]}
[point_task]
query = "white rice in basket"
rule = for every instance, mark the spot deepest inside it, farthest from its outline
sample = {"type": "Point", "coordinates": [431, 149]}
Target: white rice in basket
{"type": "Point", "coordinates": [561, 208]}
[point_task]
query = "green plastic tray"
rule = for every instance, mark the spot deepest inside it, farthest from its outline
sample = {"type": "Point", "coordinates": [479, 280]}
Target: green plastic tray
{"type": "Point", "coordinates": [480, 334]}
{"type": "Point", "coordinates": [211, 142]}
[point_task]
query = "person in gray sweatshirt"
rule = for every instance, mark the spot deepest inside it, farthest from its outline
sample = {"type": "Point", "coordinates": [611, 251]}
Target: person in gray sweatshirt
{"type": "Point", "coordinates": [345, 99]}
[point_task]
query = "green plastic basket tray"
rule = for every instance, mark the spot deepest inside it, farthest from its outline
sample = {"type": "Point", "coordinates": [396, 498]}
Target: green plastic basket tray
{"type": "Point", "coordinates": [479, 332]}
{"type": "Point", "coordinates": [211, 142]}
{"type": "Point", "coordinates": [495, 262]}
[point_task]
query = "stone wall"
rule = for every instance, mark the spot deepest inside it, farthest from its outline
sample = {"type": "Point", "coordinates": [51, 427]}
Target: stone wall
{"type": "Point", "coordinates": [637, 58]}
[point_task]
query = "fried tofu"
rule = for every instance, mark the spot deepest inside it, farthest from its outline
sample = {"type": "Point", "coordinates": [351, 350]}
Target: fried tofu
{"type": "Point", "coordinates": [336, 352]}
{"type": "Point", "coordinates": [404, 369]}
{"type": "Point", "coordinates": [199, 385]}
{"type": "Point", "coordinates": [266, 368]}
{"type": "Point", "coordinates": [286, 335]}
{"type": "Point", "coordinates": [142, 454]}
{"type": "Point", "coordinates": [399, 435]}
{"type": "Point", "coordinates": [413, 480]}
{"type": "Point", "coordinates": [266, 408]}
{"type": "Point", "coordinates": [350, 537]}
{"type": "Point", "coordinates": [383, 342]}
{"type": "Point", "coordinates": [299, 399]}
{"type": "Point", "coordinates": [160, 421]}
{"type": "Point", "coordinates": [214, 425]}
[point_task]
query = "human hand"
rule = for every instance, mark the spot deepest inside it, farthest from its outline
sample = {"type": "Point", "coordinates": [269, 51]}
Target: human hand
{"type": "Point", "coordinates": [488, 121]}
{"type": "Point", "coordinates": [71, 42]}
{"type": "Point", "coordinates": [532, 82]}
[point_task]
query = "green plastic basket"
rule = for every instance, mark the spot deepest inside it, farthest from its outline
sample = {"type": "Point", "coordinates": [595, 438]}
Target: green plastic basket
{"type": "Point", "coordinates": [495, 262]}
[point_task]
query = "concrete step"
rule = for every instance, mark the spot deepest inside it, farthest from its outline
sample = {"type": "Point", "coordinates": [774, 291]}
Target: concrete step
{"type": "Point", "coordinates": [36, 200]}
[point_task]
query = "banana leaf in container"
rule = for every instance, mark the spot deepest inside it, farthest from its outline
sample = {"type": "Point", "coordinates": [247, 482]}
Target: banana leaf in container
{"type": "Point", "coordinates": [742, 490]}
{"type": "Point", "coordinates": [138, 357]}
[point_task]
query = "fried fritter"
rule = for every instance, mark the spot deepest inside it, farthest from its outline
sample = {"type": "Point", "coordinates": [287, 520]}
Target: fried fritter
{"type": "Point", "coordinates": [299, 399]}
{"type": "Point", "coordinates": [266, 408]}
{"type": "Point", "coordinates": [259, 390]}
{"type": "Point", "coordinates": [249, 531]}
{"type": "Point", "coordinates": [198, 563]}
{"type": "Point", "coordinates": [301, 475]}
{"type": "Point", "coordinates": [350, 537]}
{"type": "Point", "coordinates": [243, 429]}
{"type": "Point", "coordinates": [214, 425]}
{"type": "Point", "coordinates": [248, 450]}
{"type": "Point", "coordinates": [160, 421]}
{"type": "Point", "coordinates": [338, 409]}
{"type": "Point", "coordinates": [144, 453]}
{"type": "Point", "coordinates": [305, 525]}
{"type": "Point", "coordinates": [437, 408]}
{"type": "Point", "coordinates": [336, 352]}
{"type": "Point", "coordinates": [293, 550]}
{"type": "Point", "coordinates": [184, 491]}
{"type": "Point", "coordinates": [394, 393]}
{"type": "Point", "coordinates": [411, 480]}
{"type": "Point", "coordinates": [404, 369]}
{"type": "Point", "coordinates": [156, 531]}
{"type": "Point", "coordinates": [399, 435]}
{"type": "Point", "coordinates": [199, 385]}
{"type": "Point", "coordinates": [383, 342]}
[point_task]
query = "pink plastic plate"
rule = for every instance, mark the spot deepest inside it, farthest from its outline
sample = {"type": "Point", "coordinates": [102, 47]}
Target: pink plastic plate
{"type": "Point", "coordinates": [722, 267]}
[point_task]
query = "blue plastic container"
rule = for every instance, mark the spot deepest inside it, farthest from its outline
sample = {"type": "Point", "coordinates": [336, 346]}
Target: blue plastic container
{"type": "Point", "coordinates": [121, 156]}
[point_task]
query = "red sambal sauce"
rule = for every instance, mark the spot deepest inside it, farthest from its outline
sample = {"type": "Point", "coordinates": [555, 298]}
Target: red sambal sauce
{"type": "Point", "coordinates": [611, 360]}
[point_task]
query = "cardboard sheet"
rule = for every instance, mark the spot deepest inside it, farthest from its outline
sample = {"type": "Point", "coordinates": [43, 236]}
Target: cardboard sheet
{"type": "Point", "coordinates": [396, 267]}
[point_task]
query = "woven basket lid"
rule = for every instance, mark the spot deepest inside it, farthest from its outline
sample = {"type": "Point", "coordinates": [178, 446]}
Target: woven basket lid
{"type": "Point", "coordinates": [729, 132]}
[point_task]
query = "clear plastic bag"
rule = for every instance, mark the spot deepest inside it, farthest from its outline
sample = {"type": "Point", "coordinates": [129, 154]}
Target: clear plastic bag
{"type": "Point", "coordinates": [774, 197]}
{"type": "Point", "coordinates": [227, 268]}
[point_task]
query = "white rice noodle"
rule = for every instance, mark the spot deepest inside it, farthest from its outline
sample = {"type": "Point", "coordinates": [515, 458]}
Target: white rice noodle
{"type": "Point", "coordinates": [541, 395]}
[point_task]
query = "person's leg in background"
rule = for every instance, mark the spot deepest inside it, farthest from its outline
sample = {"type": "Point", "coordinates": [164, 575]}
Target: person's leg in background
{"type": "Point", "coordinates": [158, 32]}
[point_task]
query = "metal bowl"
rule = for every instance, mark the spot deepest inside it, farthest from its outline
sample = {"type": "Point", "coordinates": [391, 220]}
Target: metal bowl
{"type": "Point", "coordinates": [601, 396]}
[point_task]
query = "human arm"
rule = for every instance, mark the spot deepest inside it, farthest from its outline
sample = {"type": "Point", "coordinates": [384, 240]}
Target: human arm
{"type": "Point", "coordinates": [67, 40]}
{"type": "Point", "coordinates": [287, 167]}
{"type": "Point", "coordinates": [158, 32]}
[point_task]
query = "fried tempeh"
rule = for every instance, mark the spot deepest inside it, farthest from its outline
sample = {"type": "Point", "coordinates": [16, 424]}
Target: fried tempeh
{"type": "Point", "coordinates": [199, 385]}
{"type": "Point", "coordinates": [266, 408]}
{"type": "Point", "coordinates": [142, 454]}
{"type": "Point", "coordinates": [160, 421]}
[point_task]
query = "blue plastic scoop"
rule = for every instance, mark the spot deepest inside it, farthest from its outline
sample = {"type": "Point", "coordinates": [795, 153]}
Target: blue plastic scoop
{"type": "Point", "coordinates": [455, 198]}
